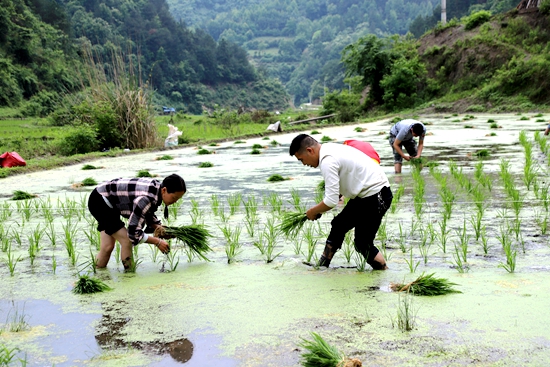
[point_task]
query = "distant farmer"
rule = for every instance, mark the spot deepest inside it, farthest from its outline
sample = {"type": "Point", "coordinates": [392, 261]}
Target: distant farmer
{"type": "Point", "coordinates": [401, 135]}
{"type": "Point", "coordinates": [349, 172]}
{"type": "Point", "coordinates": [136, 199]}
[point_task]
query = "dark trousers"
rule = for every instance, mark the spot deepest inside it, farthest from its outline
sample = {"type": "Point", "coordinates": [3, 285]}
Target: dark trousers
{"type": "Point", "coordinates": [365, 215]}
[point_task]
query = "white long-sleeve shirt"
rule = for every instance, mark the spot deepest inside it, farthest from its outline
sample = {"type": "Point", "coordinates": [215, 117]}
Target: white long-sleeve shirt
{"type": "Point", "coordinates": [349, 172]}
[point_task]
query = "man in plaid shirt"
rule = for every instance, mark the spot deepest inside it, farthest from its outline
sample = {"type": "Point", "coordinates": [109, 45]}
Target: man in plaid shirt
{"type": "Point", "coordinates": [136, 199]}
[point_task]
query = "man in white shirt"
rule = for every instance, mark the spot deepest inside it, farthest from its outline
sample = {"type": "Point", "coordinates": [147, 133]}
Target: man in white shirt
{"type": "Point", "coordinates": [401, 135]}
{"type": "Point", "coordinates": [351, 173]}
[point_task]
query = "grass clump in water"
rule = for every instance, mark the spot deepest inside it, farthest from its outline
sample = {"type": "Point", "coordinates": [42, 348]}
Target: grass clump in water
{"type": "Point", "coordinates": [195, 236]}
{"type": "Point", "coordinates": [276, 178]}
{"type": "Point", "coordinates": [426, 285]}
{"type": "Point", "coordinates": [88, 285]}
{"type": "Point", "coordinates": [206, 164]}
{"type": "Point", "coordinates": [22, 195]}
{"type": "Point", "coordinates": [144, 173]}
{"type": "Point", "coordinates": [165, 158]}
{"type": "Point", "coordinates": [89, 181]}
{"type": "Point", "coordinates": [321, 354]}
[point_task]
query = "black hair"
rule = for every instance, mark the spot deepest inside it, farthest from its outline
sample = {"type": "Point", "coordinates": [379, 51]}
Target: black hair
{"type": "Point", "coordinates": [300, 143]}
{"type": "Point", "coordinates": [174, 183]}
{"type": "Point", "coordinates": [418, 129]}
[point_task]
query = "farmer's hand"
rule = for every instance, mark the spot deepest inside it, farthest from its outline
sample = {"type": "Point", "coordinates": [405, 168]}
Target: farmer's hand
{"type": "Point", "coordinates": [163, 246]}
{"type": "Point", "coordinates": [407, 157]}
{"type": "Point", "coordinates": [161, 233]}
{"type": "Point", "coordinates": [312, 215]}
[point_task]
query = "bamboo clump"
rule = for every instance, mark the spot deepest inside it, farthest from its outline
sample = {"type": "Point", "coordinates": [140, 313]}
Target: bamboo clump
{"type": "Point", "coordinates": [426, 285]}
{"type": "Point", "coordinates": [195, 236]}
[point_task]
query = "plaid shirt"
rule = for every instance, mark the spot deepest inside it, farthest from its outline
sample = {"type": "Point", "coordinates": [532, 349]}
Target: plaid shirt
{"type": "Point", "coordinates": [137, 199]}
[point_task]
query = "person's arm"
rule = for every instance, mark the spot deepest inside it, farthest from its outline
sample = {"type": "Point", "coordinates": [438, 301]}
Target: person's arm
{"type": "Point", "coordinates": [315, 212]}
{"type": "Point", "coordinates": [399, 151]}
{"type": "Point", "coordinates": [420, 147]}
{"type": "Point", "coordinates": [142, 206]}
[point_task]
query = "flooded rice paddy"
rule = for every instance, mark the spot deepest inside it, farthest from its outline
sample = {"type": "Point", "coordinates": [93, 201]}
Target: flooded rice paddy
{"type": "Point", "coordinates": [252, 312]}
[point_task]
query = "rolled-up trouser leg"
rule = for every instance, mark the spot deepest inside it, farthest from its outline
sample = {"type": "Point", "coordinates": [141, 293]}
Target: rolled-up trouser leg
{"type": "Point", "coordinates": [340, 225]}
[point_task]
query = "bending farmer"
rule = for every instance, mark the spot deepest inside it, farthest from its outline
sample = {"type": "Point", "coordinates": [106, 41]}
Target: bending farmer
{"type": "Point", "coordinates": [136, 199]}
{"type": "Point", "coordinates": [350, 172]}
{"type": "Point", "coordinates": [401, 135]}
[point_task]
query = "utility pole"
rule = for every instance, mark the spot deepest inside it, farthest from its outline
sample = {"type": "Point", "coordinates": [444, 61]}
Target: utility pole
{"type": "Point", "coordinates": [443, 12]}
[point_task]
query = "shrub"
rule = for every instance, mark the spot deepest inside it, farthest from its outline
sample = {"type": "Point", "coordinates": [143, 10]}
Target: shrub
{"type": "Point", "coordinates": [80, 141]}
{"type": "Point", "coordinates": [42, 104]}
{"type": "Point", "coordinates": [345, 104]}
{"type": "Point", "coordinates": [476, 19]}
{"type": "Point", "coordinates": [544, 7]}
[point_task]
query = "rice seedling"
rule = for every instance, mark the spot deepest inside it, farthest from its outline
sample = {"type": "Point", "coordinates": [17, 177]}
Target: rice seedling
{"type": "Point", "coordinates": [423, 245]}
{"type": "Point", "coordinates": [360, 262]}
{"type": "Point", "coordinates": [133, 265]}
{"type": "Point", "coordinates": [54, 263]}
{"type": "Point", "coordinates": [475, 221]}
{"type": "Point", "coordinates": [276, 178]}
{"type": "Point", "coordinates": [443, 236]}
{"type": "Point", "coordinates": [173, 259]}
{"type": "Point", "coordinates": [321, 354]}
{"type": "Point", "coordinates": [460, 262]}
{"type": "Point", "coordinates": [347, 247]}
{"type": "Point", "coordinates": [51, 234]}
{"type": "Point", "coordinates": [511, 254]}
{"type": "Point", "coordinates": [463, 240]}
{"type": "Point", "coordinates": [406, 313]}
{"type": "Point", "coordinates": [22, 195]}
{"type": "Point", "coordinates": [69, 240]}
{"type": "Point", "coordinates": [484, 241]}
{"type": "Point", "coordinates": [206, 164]}
{"type": "Point", "coordinates": [11, 261]}
{"type": "Point", "coordinates": [89, 285]}
{"type": "Point", "coordinates": [426, 285]}
{"type": "Point", "coordinates": [274, 143]}
{"type": "Point", "coordinates": [234, 201]}
{"type": "Point", "coordinates": [297, 245]}
{"type": "Point", "coordinates": [26, 209]}
{"type": "Point", "coordinates": [411, 262]}
{"type": "Point", "coordinates": [541, 218]}
{"type": "Point", "coordinates": [296, 201]}
{"type": "Point", "coordinates": [311, 242]}
{"type": "Point", "coordinates": [165, 158]}
{"type": "Point", "coordinates": [143, 173]}
{"type": "Point", "coordinates": [275, 202]}
{"type": "Point", "coordinates": [215, 204]}
{"type": "Point", "coordinates": [397, 197]}
{"type": "Point", "coordinates": [195, 213]}
{"type": "Point", "coordinates": [16, 236]}
{"type": "Point", "coordinates": [117, 252]}
{"type": "Point", "coordinates": [326, 138]}
{"type": "Point", "coordinates": [89, 181]}
{"type": "Point", "coordinates": [402, 239]}
{"type": "Point", "coordinates": [87, 167]}
{"type": "Point", "coordinates": [232, 246]}
{"type": "Point", "coordinates": [292, 223]}
{"type": "Point", "coordinates": [7, 355]}
{"type": "Point", "coordinates": [5, 211]}
{"type": "Point", "coordinates": [270, 234]}
{"type": "Point", "coordinates": [91, 262]}
{"type": "Point", "coordinates": [193, 236]}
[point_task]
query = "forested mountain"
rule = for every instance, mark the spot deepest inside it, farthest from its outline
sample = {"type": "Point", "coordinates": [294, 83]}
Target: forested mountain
{"type": "Point", "coordinates": [41, 43]}
{"type": "Point", "coordinates": [300, 41]}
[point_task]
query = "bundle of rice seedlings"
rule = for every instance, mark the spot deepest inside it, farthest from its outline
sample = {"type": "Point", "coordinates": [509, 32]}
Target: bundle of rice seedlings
{"type": "Point", "coordinates": [144, 173]}
{"type": "Point", "coordinates": [195, 236]}
{"type": "Point", "coordinates": [292, 223]}
{"type": "Point", "coordinates": [426, 285]}
{"type": "Point", "coordinates": [22, 195]}
{"type": "Point", "coordinates": [322, 354]}
{"type": "Point", "coordinates": [89, 181]}
{"type": "Point", "coordinates": [88, 167]}
{"type": "Point", "coordinates": [87, 285]}
{"type": "Point", "coordinates": [275, 178]}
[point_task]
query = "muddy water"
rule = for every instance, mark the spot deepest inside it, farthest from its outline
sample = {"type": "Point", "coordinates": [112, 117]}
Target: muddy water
{"type": "Point", "coordinates": [250, 313]}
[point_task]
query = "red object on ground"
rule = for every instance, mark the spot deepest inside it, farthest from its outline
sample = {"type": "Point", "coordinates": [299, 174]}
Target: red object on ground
{"type": "Point", "coordinates": [11, 160]}
{"type": "Point", "coordinates": [364, 147]}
